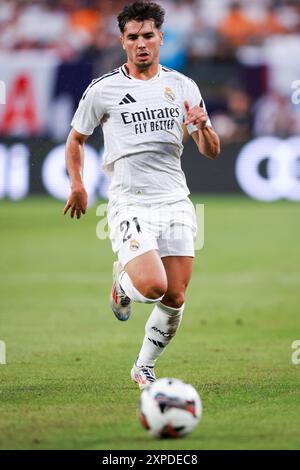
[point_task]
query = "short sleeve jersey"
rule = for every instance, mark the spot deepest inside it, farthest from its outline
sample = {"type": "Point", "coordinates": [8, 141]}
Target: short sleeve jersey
{"type": "Point", "coordinates": [140, 119]}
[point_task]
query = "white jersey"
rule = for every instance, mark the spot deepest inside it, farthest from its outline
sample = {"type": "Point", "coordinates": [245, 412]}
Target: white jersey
{"type": "Point", "coordinates": [142, 126]}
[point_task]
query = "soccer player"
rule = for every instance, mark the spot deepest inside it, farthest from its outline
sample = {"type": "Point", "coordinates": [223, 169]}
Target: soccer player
{"type": "Point", "coordinates": [141, 107]}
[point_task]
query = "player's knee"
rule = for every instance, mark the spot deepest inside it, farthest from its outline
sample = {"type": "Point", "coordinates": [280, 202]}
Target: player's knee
{"type": "Point", "coordinates": [155, 288]}
{"type": "Point", "coordinates": [174, 299]}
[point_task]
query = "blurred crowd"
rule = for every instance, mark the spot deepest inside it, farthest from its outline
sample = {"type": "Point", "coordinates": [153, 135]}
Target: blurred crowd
{"type": "Point", "coordinates": [246, 53]}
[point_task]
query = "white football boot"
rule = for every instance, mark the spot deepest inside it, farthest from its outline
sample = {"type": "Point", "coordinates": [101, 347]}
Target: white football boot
{"type": "Point", "coordinates": [119, 302]}
{"type": "Point", "coordinates": [143, 375]}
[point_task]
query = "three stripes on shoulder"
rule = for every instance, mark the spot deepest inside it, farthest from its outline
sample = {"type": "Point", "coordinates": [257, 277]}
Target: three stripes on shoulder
{"type": "Point", "coordinates": [127, 99]}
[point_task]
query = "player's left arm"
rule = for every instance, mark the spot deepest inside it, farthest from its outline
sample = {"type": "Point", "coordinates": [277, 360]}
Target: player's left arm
{"type": "Point", "coordinates": [206, 138]}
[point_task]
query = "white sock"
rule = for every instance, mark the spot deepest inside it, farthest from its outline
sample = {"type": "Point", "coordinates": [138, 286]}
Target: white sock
{"type": "Point", "coordinates": [131, 292]}
{"type": "Point", "coordinates": [160, 328]}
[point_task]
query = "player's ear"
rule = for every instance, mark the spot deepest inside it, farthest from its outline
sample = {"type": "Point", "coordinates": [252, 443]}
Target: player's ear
{"type": "Point", "coordinates": [161, 38]}
{"type": "Point", "coordinates": [122, 41]}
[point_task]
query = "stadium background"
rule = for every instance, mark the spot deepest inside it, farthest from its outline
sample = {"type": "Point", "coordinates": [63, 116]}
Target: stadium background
{"type": "Point", "coordinates": [244, 57]}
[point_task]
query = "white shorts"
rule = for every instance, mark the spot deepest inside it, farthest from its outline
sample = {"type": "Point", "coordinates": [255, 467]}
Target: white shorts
{"type": "Point", "coordinates": [135, 229]}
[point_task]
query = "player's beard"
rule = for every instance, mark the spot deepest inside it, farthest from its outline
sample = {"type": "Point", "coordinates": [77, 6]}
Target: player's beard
{"type": "Point", "coordinates": [143, 66]}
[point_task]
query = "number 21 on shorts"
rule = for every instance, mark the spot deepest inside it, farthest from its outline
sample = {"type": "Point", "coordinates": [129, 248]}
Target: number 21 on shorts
{"type": "Point", "coordinates": [126, 228]}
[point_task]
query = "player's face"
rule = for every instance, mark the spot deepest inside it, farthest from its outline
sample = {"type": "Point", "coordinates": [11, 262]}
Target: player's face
{"type": "Point", "coordinates": [141, 40]}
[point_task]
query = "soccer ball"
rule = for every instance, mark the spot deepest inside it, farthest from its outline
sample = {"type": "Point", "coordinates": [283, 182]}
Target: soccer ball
{"type": "Point", "coordinates": [170, 408]}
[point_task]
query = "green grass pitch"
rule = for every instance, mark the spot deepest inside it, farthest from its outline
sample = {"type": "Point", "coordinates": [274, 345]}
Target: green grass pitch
{"type": "Point", "coordinates": [66, 383]}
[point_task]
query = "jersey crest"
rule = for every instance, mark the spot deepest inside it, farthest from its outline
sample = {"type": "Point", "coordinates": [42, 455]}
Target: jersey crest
{"type": "Point", "coordinates": [169, 94]}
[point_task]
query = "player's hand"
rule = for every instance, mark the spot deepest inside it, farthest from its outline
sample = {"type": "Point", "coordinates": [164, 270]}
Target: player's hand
{"type": "Point", "coordinates": [77, 202]}
{"type": "Point", "coordinates": [195, 115]}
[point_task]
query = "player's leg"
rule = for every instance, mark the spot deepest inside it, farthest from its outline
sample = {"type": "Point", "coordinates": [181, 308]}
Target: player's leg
{"type": "Point", "coordinates": [143, 279]}
{"type": "Point", "coordinates": [179, 272]}
{"type": "Point", "coordinates": [166, 316]}
{"type": "Point", "coordinates": [139, 274]}
{"type": "Point", "coordinates": [177, 253]}
{"type": "Point", "coordinates": [147, 274]}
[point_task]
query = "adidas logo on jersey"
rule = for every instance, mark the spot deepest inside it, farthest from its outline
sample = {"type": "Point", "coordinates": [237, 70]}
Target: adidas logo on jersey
{"type": "Point", "coordinates": [127, 99]}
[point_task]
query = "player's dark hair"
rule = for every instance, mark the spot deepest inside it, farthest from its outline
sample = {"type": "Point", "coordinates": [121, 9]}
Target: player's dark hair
{"type": "Point", "coordinates": [141, 10]}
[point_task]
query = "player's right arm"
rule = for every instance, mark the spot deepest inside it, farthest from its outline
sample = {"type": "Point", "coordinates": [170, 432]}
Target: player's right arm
{"type": "Point", "coordinates": [77, 201]}
{"type": "Point", "coordinates": [87, 117]}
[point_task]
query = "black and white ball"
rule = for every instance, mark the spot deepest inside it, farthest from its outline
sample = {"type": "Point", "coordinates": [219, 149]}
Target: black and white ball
{"type": "Point", "coordinates": [170, 408]}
